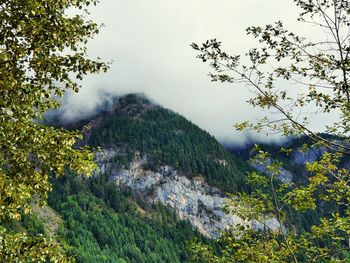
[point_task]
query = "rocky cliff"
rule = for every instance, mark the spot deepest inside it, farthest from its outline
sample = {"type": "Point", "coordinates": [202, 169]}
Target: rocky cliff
{"type": "Point", "coordinates": [192, 199]}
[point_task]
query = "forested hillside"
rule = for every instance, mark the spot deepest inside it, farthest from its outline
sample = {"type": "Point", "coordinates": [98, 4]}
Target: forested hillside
{"type": "Point", "coordinates": [167, 138]}
{"type": "Point", "coordinates": [295, 154]}
{"type": "Point", "coordinates": [106, 223]}
{"type": "Point", "coordinates": [103, 222]}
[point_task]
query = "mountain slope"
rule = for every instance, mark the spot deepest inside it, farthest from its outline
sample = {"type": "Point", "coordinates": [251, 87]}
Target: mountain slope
{"type": "Point", "coordinates": [159, 175]}
{"type": "Point", "coordinates": [166, 138]}
{"type": "Point", "coordinates": [104, 224]}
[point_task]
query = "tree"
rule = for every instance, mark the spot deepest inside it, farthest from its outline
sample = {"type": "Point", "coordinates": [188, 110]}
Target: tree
{"type": "Point", "coordinates": [42, 54]}
{"type": "Point", "coordinates": [320, 71]}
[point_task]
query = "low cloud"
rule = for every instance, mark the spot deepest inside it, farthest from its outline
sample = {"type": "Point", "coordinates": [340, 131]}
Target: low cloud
{"type": "Point", "coordinates": [149, 42]}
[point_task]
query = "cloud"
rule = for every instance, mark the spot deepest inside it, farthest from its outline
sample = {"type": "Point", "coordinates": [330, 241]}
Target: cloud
{"type": "Point", "coordinates": [149, 42]}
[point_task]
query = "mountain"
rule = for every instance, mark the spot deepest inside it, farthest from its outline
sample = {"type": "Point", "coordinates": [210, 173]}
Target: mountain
{"type": "Point", "coordinates": [161, 181]}
{"type": "Point", "coordinates": [164, 158]}
{"type": "Point", "coordinates": [101, 223]}
{"type": "Point", "coordinates": [295, 154]}
{"type": "Point", "coordinates": [133, 124]}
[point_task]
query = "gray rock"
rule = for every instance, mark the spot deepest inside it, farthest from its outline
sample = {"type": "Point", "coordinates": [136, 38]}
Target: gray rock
{"type": "Point", "coordinates": [285, 176]}
{"type": "Point", "coordinates": [193, 200]}
{"type": "Point", "coordinates": [311, 155]}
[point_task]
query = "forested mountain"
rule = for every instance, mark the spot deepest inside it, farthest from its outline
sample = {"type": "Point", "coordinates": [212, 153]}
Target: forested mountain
{"type": "Point", "coordinates": [166, 138]}
{"type": "Point", "coordinates": [103, 221]}
{"type": "Point", "coordinates": [104, 224]}
{"type": "Point", "coordinates": [161, 182]}
{"type": "Point", "coordinates": [295, 154]}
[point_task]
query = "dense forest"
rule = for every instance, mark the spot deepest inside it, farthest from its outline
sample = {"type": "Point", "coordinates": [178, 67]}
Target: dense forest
{"type": "Point", "coordinates": [168, 138]}
{"type": "Point", "coordinates": [106, 224]}
{"type": "Point", "coordinates": [154, 167]}
{"type": "Point", "coordinates": [287, 153]}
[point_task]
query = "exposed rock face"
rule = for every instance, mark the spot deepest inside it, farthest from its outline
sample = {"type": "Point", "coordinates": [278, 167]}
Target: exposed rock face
{"type": "Point", "coordinates": [298, 158]}
{"type": "Point", "coordinates": [310, 155]}
{"type": "Point", "coordinates": [285, 176]}
{"type": "Point", "coordinates": [192, 199]}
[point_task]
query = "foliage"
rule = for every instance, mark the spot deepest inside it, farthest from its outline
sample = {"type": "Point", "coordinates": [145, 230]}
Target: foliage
{"type": "Point", "coordinates": [42, 52]}
{"type": "Point", "coordinates": [319, 68]}
{"type": "Point", "coordinates": [320, 71]}
{"type": "Point", "coordinates": [21, 247]}
{"type": "Point", "coordinates": [290, 242]}
{"type": "Point", "coordinates": [104, 224]}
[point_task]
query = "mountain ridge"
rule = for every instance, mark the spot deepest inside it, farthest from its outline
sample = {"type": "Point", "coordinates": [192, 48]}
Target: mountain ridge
{"type": "Point", "coordinates": [156, 171]}
{"type": "Point", "coordinates": [135, 124]}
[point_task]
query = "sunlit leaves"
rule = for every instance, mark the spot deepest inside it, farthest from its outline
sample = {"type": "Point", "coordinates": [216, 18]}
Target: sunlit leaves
{"type": "Point", "coordinates": [20, 247]}
{"type": "Point", "coordinates": [42, 52]}
{"type": "Point", "coordinates": [318, 71]}
{"type": "Point", "coordinates": [294, 78]}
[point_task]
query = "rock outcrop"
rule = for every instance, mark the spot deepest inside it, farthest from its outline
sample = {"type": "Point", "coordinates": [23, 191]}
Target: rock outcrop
{"type": "Point", "coordinates": [192, 199]}
{"type": "Point", "coordinates": [285, 176]}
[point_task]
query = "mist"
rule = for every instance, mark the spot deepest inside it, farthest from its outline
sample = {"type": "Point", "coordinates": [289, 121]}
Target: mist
{"type": "Point", "coordinates": [148, 43]}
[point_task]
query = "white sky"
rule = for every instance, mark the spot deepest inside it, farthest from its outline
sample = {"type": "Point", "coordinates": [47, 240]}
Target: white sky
{"type": "Point", "coordinates": [149, 42]}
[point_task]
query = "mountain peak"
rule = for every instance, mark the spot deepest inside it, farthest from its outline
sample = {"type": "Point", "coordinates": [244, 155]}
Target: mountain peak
{"type": "Point", "coordinates": [131, 105]}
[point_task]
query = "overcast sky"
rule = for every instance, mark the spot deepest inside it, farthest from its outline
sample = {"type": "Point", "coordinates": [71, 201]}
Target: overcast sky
{"type": "Point", "coordinates": [149, 42]}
